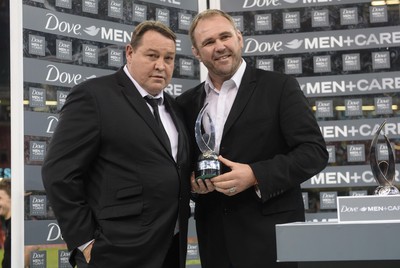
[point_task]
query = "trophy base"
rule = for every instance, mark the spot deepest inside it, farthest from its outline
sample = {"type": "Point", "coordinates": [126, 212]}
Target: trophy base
{"type": "Point", "coordinates": [386, 190]}
{"type": "Point", "coordinates": [207, 168]}
{"type": "Point", "coordinates": [206, 173]}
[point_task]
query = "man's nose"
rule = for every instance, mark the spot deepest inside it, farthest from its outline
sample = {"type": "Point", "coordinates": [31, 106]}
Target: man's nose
{"type": "Point", "coordinates": [160, 65]}
{"type": "Point", "coordinates": [219, 45]}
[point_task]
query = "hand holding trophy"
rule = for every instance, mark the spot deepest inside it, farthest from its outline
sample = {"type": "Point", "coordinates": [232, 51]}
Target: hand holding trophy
{"type": "Point", "coordinates": [208, 165]}
{"type": "Point", "coordinates": [383, 171]}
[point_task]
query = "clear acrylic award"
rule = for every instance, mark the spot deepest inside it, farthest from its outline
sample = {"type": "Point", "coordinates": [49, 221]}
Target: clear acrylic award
{"type": "Point", "coordinates": [384, 170]}
{"type": "Point", "coordinates": [208, 165]}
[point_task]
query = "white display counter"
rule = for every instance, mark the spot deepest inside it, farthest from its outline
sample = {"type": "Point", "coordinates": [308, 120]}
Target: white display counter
{"type": "Point", "coordinates": [342, 245]}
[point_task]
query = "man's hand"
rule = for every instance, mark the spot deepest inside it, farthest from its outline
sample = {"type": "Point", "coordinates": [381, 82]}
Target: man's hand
{"type": "Point", "coordinates": [200, 186]}
{"type": "Point", "coordinates": [240, 178]}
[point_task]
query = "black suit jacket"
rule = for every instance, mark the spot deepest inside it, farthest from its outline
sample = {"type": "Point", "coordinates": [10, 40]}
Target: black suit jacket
{"type": "Point", "coordinates": [110, 178]}
{"type": "Point", "coordinates": [272, 128]}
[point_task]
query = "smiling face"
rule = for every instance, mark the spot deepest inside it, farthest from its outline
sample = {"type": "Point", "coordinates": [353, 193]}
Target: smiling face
{"type": "Point", "coordinates": [218, 45]}
{"type": "Point", "coordinates": [151, 64]}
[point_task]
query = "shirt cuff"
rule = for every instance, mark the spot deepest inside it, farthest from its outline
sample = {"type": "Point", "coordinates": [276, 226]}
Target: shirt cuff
{"type": "Point", "coordinates": [82, 248]}
{"type": "Point", "coordinates": [257, 189]}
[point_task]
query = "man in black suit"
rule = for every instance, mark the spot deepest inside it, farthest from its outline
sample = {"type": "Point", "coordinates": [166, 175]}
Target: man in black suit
{"type": "Point", "coordinates": [268, 141]}
{"type": "Point", "coordinates": [118, 182]}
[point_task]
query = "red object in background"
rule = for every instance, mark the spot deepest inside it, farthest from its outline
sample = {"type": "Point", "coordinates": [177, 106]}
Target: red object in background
{"type": "Point", "coordinates": [2, 235]}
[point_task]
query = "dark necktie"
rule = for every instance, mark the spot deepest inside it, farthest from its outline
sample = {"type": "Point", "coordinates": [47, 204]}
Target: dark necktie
{"type": "Point", "coordinates": [154, 104]}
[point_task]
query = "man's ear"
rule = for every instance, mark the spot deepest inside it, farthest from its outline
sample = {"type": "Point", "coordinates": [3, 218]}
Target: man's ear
{"type": "Point", "coordinates": [240, 38]}
{"type": "Point", "coordinates": [128, 51]}
{"type": "Point", "coordinates": [196, 53]}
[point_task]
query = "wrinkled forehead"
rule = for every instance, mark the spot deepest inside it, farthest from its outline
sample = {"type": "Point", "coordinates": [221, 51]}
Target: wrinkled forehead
{"type": "Point", "coordinates": [213, 27]}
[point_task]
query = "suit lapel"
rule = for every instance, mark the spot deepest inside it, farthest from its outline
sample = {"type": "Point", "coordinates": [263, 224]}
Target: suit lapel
{"type": "Point", "coordinates": [198, 99]}
{"type": "Point", "coordinates": [246, 89]}
{"type": "Point", "coordinates": [139, 104]}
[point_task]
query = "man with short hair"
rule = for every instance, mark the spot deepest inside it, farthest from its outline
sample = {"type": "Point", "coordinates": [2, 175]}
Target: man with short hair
{"type": "Point", "coordinates": [116, 171]}
{"type": "Point", "coordinates": [269, 143]}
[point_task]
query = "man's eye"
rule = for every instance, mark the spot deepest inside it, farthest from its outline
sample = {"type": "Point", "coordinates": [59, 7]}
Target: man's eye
{"type": "Point", "coordinates": [208, 43]}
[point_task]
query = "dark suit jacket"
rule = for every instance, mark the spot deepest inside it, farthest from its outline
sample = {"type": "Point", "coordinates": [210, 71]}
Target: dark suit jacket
{"type": "Point", "coordinates": [109, 177]}
{"type": "Point", "coordinates": [272, 128]}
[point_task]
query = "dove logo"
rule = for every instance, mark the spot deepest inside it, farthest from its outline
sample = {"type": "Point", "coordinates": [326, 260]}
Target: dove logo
{"type": "Point", "coordinates": [263, 3]}
{"type": "Point", "coordinates": [351, 57]}
{"type": "Point", "coordinates": [346, 209]}
{"type": "Point", "coordinates": [34, 39]}
{"type": "Point", "coordinates": [294, 44]}
{"type": "Point", "coordinates": [383, 149]}
{"type": "Point", "coordinates": [353, 102]}
{"type": "Point", "coordinates": [253, 46]}
{"type": "Point", "coordinates": [36, 255]}
{"type": "Point", "coordinates": [377, 9]}
{"type": "Point", "coordinates": [55, 75]}
{"type": "Point", "coordinates": [356, 149]}
{"type": "Point", "coordinates": [92, 30]}
{"type": "Point", "coordinates": [323, 104]}
{"type": "Point", "coordinates": [380, 56]}
{"type": "Point", "coordinates": [64, 254]}
{"type": "Point", "coordinates": [383, 101]}
{"type": "Point", "coordinates": [54, 24]}
{"type": "Point", "coordinates": [53, 121]}
{"type": "Point", "coordinates": [54, 232]}
{"type": "Point", "coordinates": [90, 77]}
{"type": "Point", "coordinates": [163, 13]}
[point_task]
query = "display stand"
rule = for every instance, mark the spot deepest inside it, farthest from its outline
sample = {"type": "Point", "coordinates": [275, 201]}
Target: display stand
{"type": "Point", "coordinates": [333, 244]}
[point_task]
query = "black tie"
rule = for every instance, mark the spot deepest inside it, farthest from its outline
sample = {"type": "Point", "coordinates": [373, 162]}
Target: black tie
{"type": "Point", "coordinates": [154, 104]}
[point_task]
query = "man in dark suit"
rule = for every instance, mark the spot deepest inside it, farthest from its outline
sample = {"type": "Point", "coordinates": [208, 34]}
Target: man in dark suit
{"type": "Point", "coordinates": [268, 141]}
{"type": "Point", "coordinates": [118, 182]}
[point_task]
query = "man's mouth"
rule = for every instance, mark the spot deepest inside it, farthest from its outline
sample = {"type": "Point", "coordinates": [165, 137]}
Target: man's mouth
{"type": "Point", "coordinates": [222, 57]}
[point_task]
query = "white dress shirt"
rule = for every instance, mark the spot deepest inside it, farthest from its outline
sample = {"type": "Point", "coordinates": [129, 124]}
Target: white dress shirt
{"type": "Point", "coordinates": [165, 117]}
{"type": "Point", "coordinates": [220, 102]}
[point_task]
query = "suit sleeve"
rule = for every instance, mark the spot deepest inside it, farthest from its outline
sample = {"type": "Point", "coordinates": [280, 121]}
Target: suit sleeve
{"type": "Point", "coordinates": [64, 171]}
{"type": "Point", "coordinates": [305, 151]}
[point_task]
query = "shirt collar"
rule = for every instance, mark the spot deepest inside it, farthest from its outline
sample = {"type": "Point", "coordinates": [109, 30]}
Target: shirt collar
{"type": "Point", "coordinates": [236, 78]}
{"type": "Point", "coordinates": [141, 90]}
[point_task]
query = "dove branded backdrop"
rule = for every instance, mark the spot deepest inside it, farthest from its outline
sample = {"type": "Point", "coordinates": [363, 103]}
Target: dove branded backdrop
{"type": "Point", "coordinates": [346, 57]}
{"type": "Point", "coordinates": [344, 53]}
{"type": "Point", "coordinates": [66, 42]}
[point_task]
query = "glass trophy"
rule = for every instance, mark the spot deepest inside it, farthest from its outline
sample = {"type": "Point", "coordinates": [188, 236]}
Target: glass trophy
{"type": "Point", "coordinates": [208, 165]}
{"type": "Point", "coordinates": [384, 170]}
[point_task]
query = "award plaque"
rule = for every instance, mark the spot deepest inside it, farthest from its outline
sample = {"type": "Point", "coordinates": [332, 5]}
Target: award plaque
{"type": "Point", "coordinates": [384, 170]}
{"type": "Point", "coordinates": [208, 165]}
